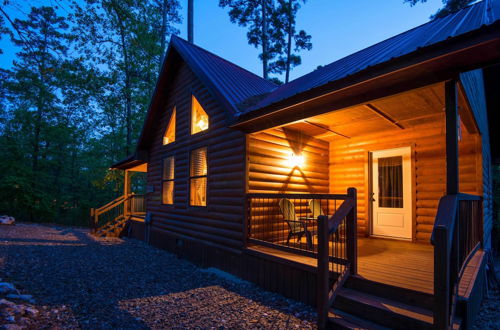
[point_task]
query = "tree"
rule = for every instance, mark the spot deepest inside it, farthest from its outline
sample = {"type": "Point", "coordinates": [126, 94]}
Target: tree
{"type": "Point", "coordinates": [271, 27]}
{"type": "Point", "coordinates": [450, 6]}
{"type": "Point", "coordinates": [284, 20]}
{"type": "Point", "coordinates": [256, 15]}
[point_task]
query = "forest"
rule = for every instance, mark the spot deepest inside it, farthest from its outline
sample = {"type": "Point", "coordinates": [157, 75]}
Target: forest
{"type": "Point", "coordinates": [73, 101]}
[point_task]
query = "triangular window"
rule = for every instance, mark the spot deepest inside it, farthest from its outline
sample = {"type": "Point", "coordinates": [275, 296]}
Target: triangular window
{"type": "Point", "coordinates": [169, 135]}
{"type": "Point", "coordinates": [199, 118]}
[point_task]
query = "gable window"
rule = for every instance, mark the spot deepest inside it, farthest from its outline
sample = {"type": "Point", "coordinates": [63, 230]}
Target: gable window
{"type": "Point", "coordinates": [198, 178]}
{"type": "Point", "coordinates": [167, 195]}
{"type": "Point", "coordinates": [169, 135]}
{"type": "Point", "coordinates": [199, 118]}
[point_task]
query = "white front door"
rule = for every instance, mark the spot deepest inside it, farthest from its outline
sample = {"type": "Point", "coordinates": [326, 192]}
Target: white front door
{"type": "Point", "coordinates": [391, 196]}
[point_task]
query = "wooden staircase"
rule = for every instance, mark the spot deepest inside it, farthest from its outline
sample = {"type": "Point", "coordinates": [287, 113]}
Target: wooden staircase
{"type": "Point", "coordinates": [363, 304]}
{"type": "Point", "coordinates": [111, 219]}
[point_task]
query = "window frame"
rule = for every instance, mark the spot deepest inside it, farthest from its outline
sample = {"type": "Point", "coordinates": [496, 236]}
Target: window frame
{"type": "Point", "coordinates": [172, 111]}
{"type": "Point", "coordinates": [197, 177]}
{"type": "Point", "coordinates": [191, 95]}
{"type": "Point", "coordinates": [167, 180]}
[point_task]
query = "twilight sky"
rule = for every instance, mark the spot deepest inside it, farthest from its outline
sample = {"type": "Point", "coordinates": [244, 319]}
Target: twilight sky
{"type": "Point", "coordinates": [338, 28]}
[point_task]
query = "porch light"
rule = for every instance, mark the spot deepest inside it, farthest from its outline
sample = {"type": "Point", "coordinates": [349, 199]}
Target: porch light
{"type": "Point", "coordinates": [296, 160]}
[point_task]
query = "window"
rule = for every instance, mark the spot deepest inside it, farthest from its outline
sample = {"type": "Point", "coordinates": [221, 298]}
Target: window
{"type": "Point", "coordinates": [169, 135]}
{"type": "Point", "coordinates": [390, 182]}
{"type": "Point", "coordinates": [168, 181]}
{"type": "Point", "coordinates": [198, 178]}
{"type": "Point", "coordinates": [199, 118]}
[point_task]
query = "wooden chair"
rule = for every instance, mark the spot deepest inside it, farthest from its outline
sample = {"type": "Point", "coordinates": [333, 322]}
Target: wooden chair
{"type": "Point", "coordinates": [297, 226]}
{"type": "Point", "coordinates": [317, 210]}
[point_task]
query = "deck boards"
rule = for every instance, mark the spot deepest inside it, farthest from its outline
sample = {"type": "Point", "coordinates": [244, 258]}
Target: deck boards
{"type": "Point", "coordinates": [399, 263]}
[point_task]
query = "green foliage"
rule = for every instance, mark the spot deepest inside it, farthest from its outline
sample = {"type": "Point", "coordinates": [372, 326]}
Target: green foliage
{"type": "Point", "coordinates": [450, 6]}
{"type": "Point", "coordinates": [271, 27]}
{"type": "Point", "coordinates": [73, 102]}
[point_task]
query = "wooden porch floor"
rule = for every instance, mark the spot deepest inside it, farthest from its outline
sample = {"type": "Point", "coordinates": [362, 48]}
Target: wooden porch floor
{"type": "Point", "coordinates": [398, 263]}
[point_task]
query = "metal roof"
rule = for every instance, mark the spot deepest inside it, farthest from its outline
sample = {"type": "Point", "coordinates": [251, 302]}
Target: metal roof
{"type": "Point", "coordinates": [233, 82]}
{"type": "Point", "coordinates": [466, 20]}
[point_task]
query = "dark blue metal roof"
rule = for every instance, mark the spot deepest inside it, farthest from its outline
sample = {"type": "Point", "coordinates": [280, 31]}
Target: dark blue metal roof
{"type": "Point", "coordinates": [234, 83]}
{"type": "Point", "coordinates": [466, 20]}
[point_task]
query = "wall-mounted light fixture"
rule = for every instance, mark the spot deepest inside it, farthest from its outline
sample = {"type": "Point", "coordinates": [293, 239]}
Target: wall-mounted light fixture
{"type": "Point", "coordinates": [296, 160]}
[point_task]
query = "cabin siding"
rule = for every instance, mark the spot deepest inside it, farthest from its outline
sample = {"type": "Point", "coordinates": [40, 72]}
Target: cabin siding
{"type": "Point", "coordinates": [473, 84]}
{"type": "Point", "coordinates": [221, 221]}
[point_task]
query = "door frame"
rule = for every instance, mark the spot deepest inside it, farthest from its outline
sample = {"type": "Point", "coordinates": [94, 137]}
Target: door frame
{"type": "Point", "coordinates": [369, 189]}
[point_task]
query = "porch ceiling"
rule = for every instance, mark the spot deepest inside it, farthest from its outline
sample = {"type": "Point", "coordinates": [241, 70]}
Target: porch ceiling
{"type": "Point", "coordinates": [397, 112]}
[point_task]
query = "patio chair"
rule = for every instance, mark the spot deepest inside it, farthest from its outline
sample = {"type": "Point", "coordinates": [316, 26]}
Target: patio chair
{"type": "Point", "coordinates": [297, 226]}
{"type": "Point", "coordinates": [317, 210]}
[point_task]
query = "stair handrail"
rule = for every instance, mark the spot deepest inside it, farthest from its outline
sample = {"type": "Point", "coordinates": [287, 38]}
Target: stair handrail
{"type": "Point", "coordinates": [326, 291]}
{"type": "Point", "coordinates": [96, 213]}
{"type": "Point", "coordinates": [452, 252]}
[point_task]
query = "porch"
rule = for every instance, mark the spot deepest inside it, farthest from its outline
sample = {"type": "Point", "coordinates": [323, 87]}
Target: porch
{"type": "Point", "coordinates": [401, 160]}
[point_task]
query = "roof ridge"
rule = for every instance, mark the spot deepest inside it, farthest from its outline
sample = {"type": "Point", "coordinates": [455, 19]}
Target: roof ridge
{"type": "Point", "coordinates": [174, 37]}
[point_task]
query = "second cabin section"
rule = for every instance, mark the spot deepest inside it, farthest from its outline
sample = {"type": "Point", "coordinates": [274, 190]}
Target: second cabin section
{"type": "Point", "coordinates": [392, 150]}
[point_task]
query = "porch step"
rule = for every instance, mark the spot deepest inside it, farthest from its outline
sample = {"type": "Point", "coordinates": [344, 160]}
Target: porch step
{"type": "Point", "coordinates": [383, 311]}
{"type": "Point", "coordinates": [341, 320]}
{"type": "Point", "coordinates": [405, 296]}
{"type": "Point", "coordinates": [112, 228]}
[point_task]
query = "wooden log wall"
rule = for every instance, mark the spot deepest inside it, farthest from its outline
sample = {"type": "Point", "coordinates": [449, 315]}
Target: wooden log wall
{"type": "Point", "coordinates": [270, 171]}
{"type": "Point", "coordinates": [349, 167]}
{"type": "Point", "coordinates": [221, 221]}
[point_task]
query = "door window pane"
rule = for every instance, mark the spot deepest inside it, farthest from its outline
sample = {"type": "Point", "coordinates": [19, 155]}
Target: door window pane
{"type": "Point", "coordinates": [390, 182]}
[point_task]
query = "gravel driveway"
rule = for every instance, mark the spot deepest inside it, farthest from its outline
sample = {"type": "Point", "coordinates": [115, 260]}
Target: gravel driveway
{"type": "Point", "coordinates": [82, 282]}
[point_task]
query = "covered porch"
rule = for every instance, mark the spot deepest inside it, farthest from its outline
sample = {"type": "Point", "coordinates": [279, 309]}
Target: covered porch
{"type": "Point", "coordinates": [396, 151]}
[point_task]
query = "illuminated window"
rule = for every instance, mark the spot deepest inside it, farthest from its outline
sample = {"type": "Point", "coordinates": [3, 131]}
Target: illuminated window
{"type": "Point", "coordinates": [199, 118]}
{"type": "Point", "coordinates": [168, 181]}
{"type": "Point", "coordinates": [198, 178]}
{"type": "Point", "coordinates": [169, 135]}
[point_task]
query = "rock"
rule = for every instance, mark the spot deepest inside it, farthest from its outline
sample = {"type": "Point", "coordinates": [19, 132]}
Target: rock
{"type": "Point", "coordinates": [32, 311]}
{"type": "Point", "coordinates": [11, 327]}
{"type": "Point", "coordinates": [6, 287]}
{"type": "Point", "coordinates": [5, 302]}
{"type": "Point", "coordinates": [6, 220]}
{"type": "Point", "coordinates": [23, 297]}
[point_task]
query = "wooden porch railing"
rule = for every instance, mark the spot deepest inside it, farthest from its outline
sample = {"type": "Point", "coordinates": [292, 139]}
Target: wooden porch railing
{"type": "Point", "coordinates": [122, 206]}
{"type": "Point", "coordinates": [320, 226]}
{"type": "Point", "coordinates": [337, 253]}
{"type": "Point", "coordinates": [457, 235]}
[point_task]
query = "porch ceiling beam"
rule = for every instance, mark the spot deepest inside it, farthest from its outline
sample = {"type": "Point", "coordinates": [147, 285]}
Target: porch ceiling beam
{"type": "Point", "coordinates": [326, 128]}
{"type": "Point", "coordinates": [451, 109]}
{"type": "Point", "coordinates": [383, 115]}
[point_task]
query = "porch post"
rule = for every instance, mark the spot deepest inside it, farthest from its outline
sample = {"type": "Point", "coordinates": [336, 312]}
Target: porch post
{"type": "Point", "coordinates": [126, 192]}
{"type": "Point", "coordinates": [451, 106]}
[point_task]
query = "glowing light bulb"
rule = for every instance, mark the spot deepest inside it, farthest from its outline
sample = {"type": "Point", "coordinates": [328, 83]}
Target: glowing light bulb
{"type": "Point", "coordinates": [202, 123]}
{"type": "Point", "coordinates": [296, 160]}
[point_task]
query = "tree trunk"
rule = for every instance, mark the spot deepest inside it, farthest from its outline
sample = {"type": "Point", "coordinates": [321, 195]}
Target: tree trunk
{"type": "Point", "coordinates": [289, 45]}
{"type": "Point", "coordinates": [265, 49]}
{"type": "Point", "coordinates": [190, 21]}
{"type": "Point", "coordinates": [163, 37]}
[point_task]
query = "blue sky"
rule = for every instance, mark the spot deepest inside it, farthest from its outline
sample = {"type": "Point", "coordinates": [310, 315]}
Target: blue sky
{"type": "Point", "coordinates": [338, 28]}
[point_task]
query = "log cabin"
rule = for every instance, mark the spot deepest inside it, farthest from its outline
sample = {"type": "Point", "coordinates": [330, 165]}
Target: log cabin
{"type": "Point", "coordinates": [363, 188]}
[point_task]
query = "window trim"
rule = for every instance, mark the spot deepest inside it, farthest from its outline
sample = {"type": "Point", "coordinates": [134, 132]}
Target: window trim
{"type": "Point", "coordinates": [173, 109]}
{"type": "Point", "coordinates": [197, 177]}
{"type": "Point", "coordinates": [167, 180]}
{"type": "Point", "coordinates": [194, 94]}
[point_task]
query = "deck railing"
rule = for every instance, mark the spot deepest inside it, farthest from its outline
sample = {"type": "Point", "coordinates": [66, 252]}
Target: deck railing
{"type": "Point", "coordinates": [337, 253]}
{"type": "Point", "coordinates": [457, 235]}
{"type": "Point", "coordinates": [288, 222]}
{"type": "Point", "coordinates": [120, 207]}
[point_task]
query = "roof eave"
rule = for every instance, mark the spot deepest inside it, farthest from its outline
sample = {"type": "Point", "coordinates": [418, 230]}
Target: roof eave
{"type": "Point", "coordinates": [477, 39]}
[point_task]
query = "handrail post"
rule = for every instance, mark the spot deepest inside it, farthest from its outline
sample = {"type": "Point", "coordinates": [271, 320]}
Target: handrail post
{"type": "Point", "coordinates": [442, 278]}
{"type": "Point", "coordinates": [323, 272]}
{"type": "Point", "coordinates": [351, 222]}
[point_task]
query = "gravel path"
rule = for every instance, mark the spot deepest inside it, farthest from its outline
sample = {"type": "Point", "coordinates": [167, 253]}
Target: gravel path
{"type": "Point", "coordinates": [82, 282]}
